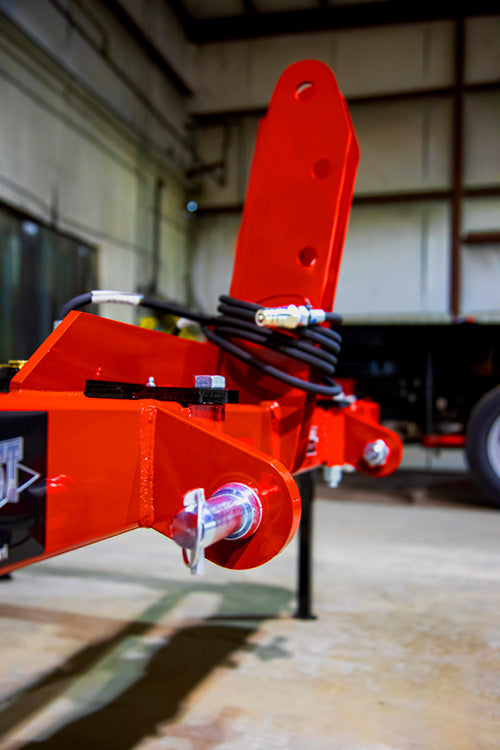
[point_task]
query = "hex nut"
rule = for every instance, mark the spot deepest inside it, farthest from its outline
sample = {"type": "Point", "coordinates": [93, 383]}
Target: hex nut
{"type": "Point", "coordinates": [376, 453]}
{"type": "Point", "coordinates": [209, 381]}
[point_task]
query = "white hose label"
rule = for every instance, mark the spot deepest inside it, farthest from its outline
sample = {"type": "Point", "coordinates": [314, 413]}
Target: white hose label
{"type": "Point", "coordinates": [101, 296]}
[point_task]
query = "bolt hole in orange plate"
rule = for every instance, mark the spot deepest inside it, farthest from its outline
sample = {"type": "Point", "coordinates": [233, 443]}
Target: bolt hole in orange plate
{"type": "Point", "coordinates": [322, 169]}
{"type": "Point", "coordinates": [304, 91]}
{"type": "Point", "coordinates": [308, 257]}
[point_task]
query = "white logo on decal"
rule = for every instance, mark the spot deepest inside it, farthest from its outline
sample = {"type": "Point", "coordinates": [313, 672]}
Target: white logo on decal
{"type": "Point", "coordinates": [11, 454]}
{"type": "Point", "coordinates": [4, 552]}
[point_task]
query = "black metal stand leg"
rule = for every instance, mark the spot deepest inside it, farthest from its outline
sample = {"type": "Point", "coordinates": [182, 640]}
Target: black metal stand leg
{"type": "Point", "coordinates": [305, 483]}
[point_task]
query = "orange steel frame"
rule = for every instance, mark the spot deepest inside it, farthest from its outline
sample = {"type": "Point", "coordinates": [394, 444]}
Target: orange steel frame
{"type": "Point", "coordinates": [115, 465]}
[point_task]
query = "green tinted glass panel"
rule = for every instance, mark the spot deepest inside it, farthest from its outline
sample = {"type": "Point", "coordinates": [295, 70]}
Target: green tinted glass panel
{"type": "Point", "coordinates": [40, 269]}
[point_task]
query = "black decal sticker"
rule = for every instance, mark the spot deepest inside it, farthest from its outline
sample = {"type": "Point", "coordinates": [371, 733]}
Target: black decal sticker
{"type": "Point", "coordinates": [23, 471]}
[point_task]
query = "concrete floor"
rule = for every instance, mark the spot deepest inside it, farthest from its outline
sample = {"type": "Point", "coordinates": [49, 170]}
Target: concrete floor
{"type": "Point", "coordinates": [115, 646]}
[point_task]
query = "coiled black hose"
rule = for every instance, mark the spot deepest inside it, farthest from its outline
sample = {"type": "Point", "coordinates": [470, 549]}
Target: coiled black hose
{"type": "Point", "coordinates": [313, 345]}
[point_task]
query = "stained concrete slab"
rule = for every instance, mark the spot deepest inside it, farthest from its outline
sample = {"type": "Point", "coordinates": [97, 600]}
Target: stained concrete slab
{"type": "Point", "coordinates": [116, 646]}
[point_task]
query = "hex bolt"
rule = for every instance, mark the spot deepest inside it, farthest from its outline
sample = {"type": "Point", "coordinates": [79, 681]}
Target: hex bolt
{"type": "Point", "coordinates": [332, 476]}
{"type": "Point", "coordinates": [209, 381]}
{"type": "Point", "coordinates": [376, 453]}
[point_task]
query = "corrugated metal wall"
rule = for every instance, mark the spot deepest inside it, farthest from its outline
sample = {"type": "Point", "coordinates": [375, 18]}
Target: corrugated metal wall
{"type": "Point", "coordinates": [94, 139]}
{"type": "Point", "coordinates": [400, 82]}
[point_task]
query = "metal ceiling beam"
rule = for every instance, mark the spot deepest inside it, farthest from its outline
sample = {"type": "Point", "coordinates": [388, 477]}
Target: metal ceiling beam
{"type": "Point", "coordinates": [249, 7]}
{"type": "Point", "coordinates": [147, 45]}
{"type": "Point", "coordinates": [187, 21]}
{"type": "Point", "coordinates": [379, 13]}
{"type": "Point", "coordinates": [223, 115]}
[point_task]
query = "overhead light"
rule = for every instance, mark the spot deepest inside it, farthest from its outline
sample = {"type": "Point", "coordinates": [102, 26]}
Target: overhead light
{"type": "Point", "coordinates": [29, 227]}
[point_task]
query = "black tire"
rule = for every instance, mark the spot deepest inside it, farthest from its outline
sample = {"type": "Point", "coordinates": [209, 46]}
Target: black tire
{"type": "Point", "coordinates": [482, 444]}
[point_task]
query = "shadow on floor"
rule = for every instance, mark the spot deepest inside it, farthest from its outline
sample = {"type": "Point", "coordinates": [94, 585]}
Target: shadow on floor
{"type": "Point", "coordinates": [115, 693]}
{"type": "Point", "coordinates": [158, 695]}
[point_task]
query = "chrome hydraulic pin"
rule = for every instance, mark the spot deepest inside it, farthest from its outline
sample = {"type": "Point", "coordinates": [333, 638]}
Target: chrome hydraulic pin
{"type": "Point", "coordinates": [233, 512]}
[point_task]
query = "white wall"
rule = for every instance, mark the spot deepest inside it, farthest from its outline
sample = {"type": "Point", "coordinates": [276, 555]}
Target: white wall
{"type": "Point", "coordinates": [88, 127]}
{"type": "Point", "coordinates": [160, 24]}
{"type": "Point", "coordinates": [213, 260]}
{"type": "Point", "coordinates": [81, 146]}
{"type": "Point", "coordinates": [395, 263]}
{"type": "Point", "coordinates": [481, 262]}
{"type": "Point", "coordinates": [242, 74]}
{"type": "Point", "coordinates": [397, 257]}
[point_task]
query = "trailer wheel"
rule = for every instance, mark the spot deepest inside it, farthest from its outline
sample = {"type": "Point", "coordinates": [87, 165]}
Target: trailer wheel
{"type": "Point", "coordinates": [482, 444]}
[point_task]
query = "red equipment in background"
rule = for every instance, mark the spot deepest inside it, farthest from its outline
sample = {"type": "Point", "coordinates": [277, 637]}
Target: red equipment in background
{"type": "Point", "coordinates": [87, 453]}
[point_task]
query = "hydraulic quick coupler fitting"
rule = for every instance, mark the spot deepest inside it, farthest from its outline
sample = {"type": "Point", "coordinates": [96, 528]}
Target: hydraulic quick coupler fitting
{"type": "Point", "coordinates": [291, 316]}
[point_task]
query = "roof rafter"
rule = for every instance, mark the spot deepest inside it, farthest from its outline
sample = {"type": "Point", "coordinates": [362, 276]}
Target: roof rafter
{"type": "Point", "coordinates": [249, 25]}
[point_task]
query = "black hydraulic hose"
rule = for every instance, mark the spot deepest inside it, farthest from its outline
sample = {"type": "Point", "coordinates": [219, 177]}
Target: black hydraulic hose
{"type": "Point", "coordinates": [312, 345]}
{"type": "Point", "coordinates": [170, 308]}
{"type": "Point", "coordinates": [82, 300]}
{"type": "Point", "coordinates": [329, 388]}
